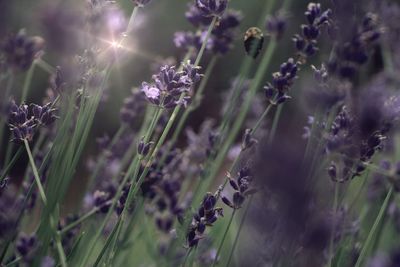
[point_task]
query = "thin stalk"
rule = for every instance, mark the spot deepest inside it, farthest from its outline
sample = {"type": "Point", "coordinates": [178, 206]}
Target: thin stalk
{"type": "Point", "coordinates": [60, 250]}
{"type": "Point", "coordinates": [277, 116]}
{"type": "Point", "coordinates": [242, 221]}
{"type": "Point", "coordinates": [203, 46]}
{"type": "Point", "coordinates": [79, 221]}
{"type": "Point", "coordinates": [44, 200]}
{"type": "Point", "coordinates": [28, 81]}
{"type": "Point", "coordinates": [224, 237]}
{"type": "Point", "coordinates": [45, 66]}
{"type": "Point", "coordinates": [10, 164]}
{"type": "Point", "coordinates": [14, 262]}
{"type": "Point", "coordinates": [35, 173]}
{"type": "Point", "coordinates": [186, 257]}
{"type": "Point", "coordinates": [334, 208]}
{"type": "Point", "coordinates": [379, 218]}
{"type": "Point", "coordinates": [262, 117]}
{"type": "Point", "coordinates": [9, 86]}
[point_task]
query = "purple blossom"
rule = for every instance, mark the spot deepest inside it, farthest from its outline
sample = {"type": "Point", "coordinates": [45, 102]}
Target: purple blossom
{"type": "Point", "coordinates": [210, 8]}
{"type": "Point", "coordinates": [169, 85]}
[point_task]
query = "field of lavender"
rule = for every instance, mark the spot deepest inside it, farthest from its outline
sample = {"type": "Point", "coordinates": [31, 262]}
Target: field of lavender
{"type": "Point", "coordinates": [200, 133]}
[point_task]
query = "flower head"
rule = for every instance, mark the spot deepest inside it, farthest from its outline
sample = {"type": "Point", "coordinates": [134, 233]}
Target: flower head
{"type": "Point", "coordinates": [210, 8]}
{"type": "Point", "coordinates": [21, 125]}
{"type": "Point", "coordinates": [44, 114]}
{"type": "Point", "coordinates": [169, 85]}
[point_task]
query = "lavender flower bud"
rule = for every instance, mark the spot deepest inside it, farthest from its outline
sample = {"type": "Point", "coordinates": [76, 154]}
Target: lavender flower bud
{"type": "Point", "coordinates": [21, 127]}
{"type": "Point", "coordinates": [276, 25]}
{"type": "Point", "coordinates": [227, 201]}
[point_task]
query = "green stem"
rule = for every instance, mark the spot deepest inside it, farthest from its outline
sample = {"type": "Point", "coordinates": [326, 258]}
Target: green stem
{"type": "Point", "coordinates": [379, 218]}
{"type": "Point", "coordinates": [10, 164]}
{"type": "Point", "coordinates": [277, 116]}
{"type": "Point", "coordinates": [261, 119]}
{"type": "Point", "coordinates": [186, 257]}
{"type": "Point", "coordinates": [79, 221]}
{"type": "Point", "coordinates": [14, 262]}
{"type": "Point", "coordinates": [242, 221]}
{"type": "Point", "coordinates": [3, 121]}
{"type": "Point", "coordinates": [203, 46]}
{"type": "Point", "coordinates": [35, 173]}
{"type": "Point", "coordinates": [134, 165]}
{"type": "Point", "coordinates": [45, 66]}
{"type": "Point", "coordinates": [44, 200]}
{"type": "Point", "coordinates": [28, 81]}
{"type": "Point", "coordinates": [224, 237]}
{"type": "Point", "coordinates": [335, 205]}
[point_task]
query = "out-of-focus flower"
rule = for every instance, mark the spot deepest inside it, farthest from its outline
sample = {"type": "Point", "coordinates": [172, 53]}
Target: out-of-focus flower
{"type": "Point", "coordinates": [349, 56]}
{"type": "Point", "coordinates": [132, 108]}
{"type": "Point", "coordinates": [21, 50]}
{"type": "Point", "coordinates": [276, 25]}
{"type": "Point", "coordinates": [26, 246]}
{"type": "Point", "coordinates": [195, 16]}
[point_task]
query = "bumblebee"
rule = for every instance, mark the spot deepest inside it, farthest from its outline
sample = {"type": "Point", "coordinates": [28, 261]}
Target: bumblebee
{"type": "Point", "coordinates": [253, 41]}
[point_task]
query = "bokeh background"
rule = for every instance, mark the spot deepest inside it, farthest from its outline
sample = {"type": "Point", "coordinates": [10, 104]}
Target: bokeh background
{"type": "Point", "coordinates": [61, 24]}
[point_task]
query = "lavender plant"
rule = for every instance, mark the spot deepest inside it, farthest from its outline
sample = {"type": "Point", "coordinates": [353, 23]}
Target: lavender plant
{"type": "Point", "coordinates": [120, 146]}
